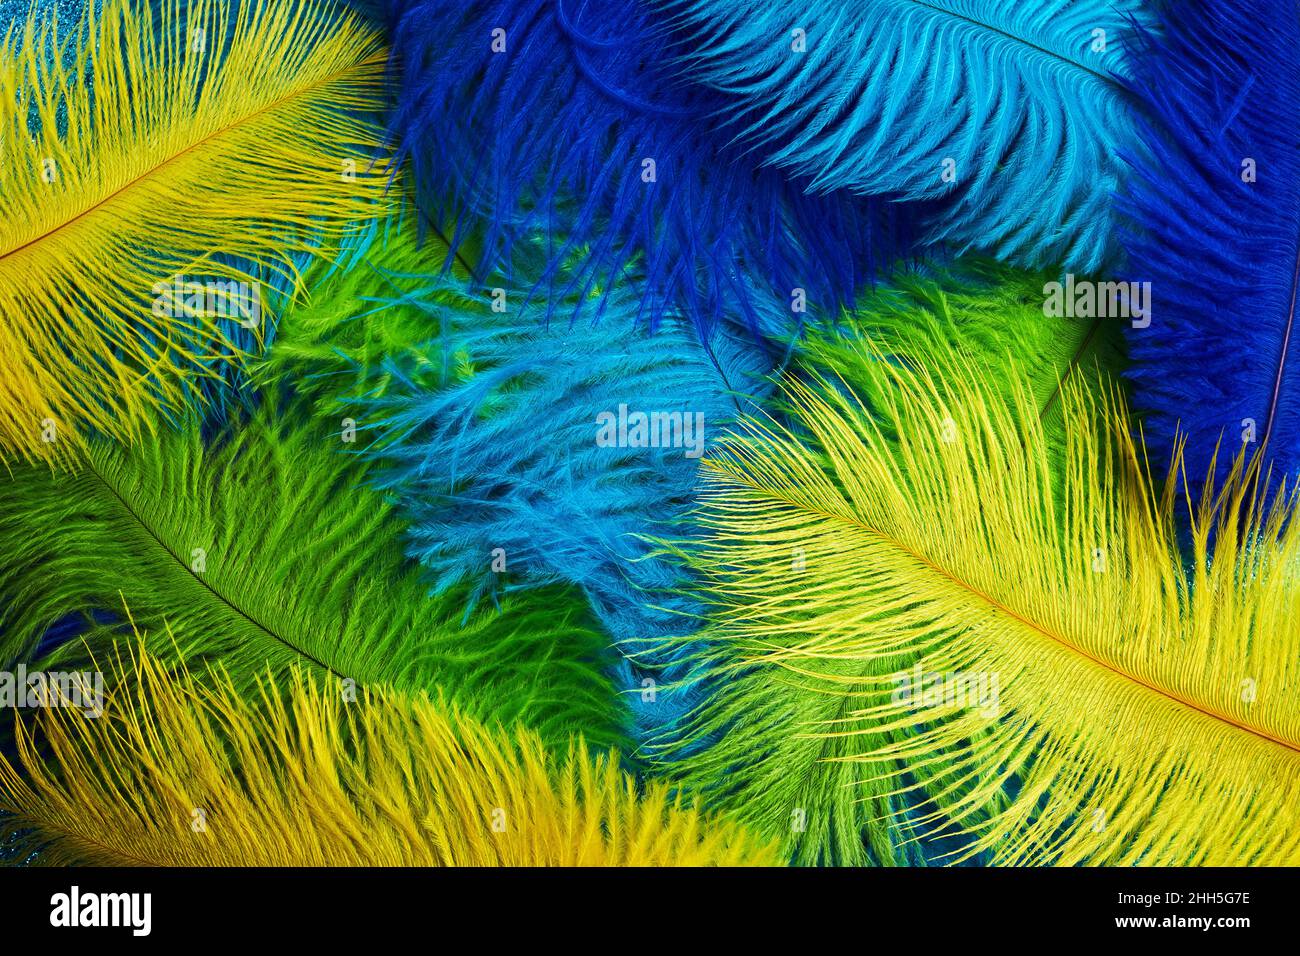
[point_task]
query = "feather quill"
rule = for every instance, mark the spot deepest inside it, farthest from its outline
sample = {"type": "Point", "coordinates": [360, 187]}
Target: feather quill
{"type": "Point", "coordinates": [1036, 661]}
{"type": "Point", "coordinates": [264, 551]}
{"type": "Point", "coordinates": [746, 747]}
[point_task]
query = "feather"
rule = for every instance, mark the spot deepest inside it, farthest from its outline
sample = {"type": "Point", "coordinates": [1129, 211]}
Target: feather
{"type": "Point", "coordinates": [1038, 663]}
{"type": "Point", "coordinates": [1007, 116]}
{"type": "Point", "coordinates": [198, 142]}
{"type": "Point", "coordinates": [181, 772]}
{"type": "Point", "coordinates": [382, 299]}
{"type": "Point", "coordinates": [985, 312]}
{"type": "Point", "coordinates": [524, 449]}
{"type": "Point", "coordinates": [528, 116]}
{"type": "Point", "coordinates": [266, 551]}
{"type": "Point", "coordinates": [485, 427]}
{"type": "Point", "coordinates": [792, 786]}
{"type": "Point", "coordinates": [1213, 206]}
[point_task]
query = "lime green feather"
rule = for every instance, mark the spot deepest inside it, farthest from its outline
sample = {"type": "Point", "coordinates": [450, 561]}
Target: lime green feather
{"type": "Point", "coordinates": [981, 310]}
{"type": "Point", "coordinates": [368, 310]}
{"type": "Point", "coordinates": [265, 548]}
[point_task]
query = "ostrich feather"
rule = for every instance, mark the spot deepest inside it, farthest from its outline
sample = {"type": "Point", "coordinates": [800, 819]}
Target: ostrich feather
{"type": "Point", "coordinates": [197, 140]}
{"type": "Point", "coordinates": [181, 772]}
{"type": "Point", "coordinates": [449, 394]}
{"type": "Point", "coordinates": [1025, 100]}
{"type": "Point", "coordinates": [264, 551]}
{"type": "Point", "coordinates": [1141, 713]}
{"type": "Point", "coordinates": [984, 311]}
{"type": "Point", "coordinates": [483, 426]}
{"type": "Point", "coordinates": [538, 116]}
{"type": "Point", "coordinates": [509, 457]}
{"type": "Point", "coordinates": [795, 786]}
{"type": "Point", "coordinates": [1219, 360]}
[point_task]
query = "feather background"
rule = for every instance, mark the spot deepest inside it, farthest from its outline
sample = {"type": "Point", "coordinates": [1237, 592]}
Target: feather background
{"type": "Point", "coordinates": [301, 779]}
{"type": "Point", "coordinates": [1073, 611]}
{"type": "Point", "coordinates": [264, 551]}
{"type": "Point", "coordinates": [103, 211]}
{"type": "Point", "coordinates": [565, 123]}
{"type": "Point", "coordinates": [768, 761]}
{"type": "Point", "coordinates": [484, 427]}
{"type": "Point", "coordinates": [645, 455]}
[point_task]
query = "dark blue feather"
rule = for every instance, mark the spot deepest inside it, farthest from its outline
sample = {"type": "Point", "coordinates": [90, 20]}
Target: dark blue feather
{"type": "Point", "coordinates": [1221, 356]}
{"type": "Point", "coordinates": [553, 134]}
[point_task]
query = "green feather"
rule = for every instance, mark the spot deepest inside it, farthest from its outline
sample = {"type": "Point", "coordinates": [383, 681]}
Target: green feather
{"type": "Point", "coordinates": [265, 549]}
{"type": "Point", "coordinates": [984, 311]}
{"type": "Point", "coordinates": [361, 314]}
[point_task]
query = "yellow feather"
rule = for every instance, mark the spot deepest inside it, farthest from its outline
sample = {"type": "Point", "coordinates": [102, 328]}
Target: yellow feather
{"type": "Point", "coordinates": [1142, 713]}
{"type": "Point", "coordinates": [179, 772]}
{"type": "Point", "coordinates": [170, 140]}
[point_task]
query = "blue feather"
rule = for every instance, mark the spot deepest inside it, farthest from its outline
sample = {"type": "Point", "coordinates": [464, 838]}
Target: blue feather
{"type": "Point", "coordinates": [876, 97]}
{"type": "Point", "coordinates": [555, 133]}
{"type": "Point", "coordinates": [502, 447]}
{"type": "Point", "coordinates": [1221, 357]}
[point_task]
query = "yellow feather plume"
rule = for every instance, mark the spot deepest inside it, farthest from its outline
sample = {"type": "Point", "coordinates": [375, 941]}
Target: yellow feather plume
{"type": "Point", "coordinates": [178, 772]}
{"type": "Point", "coordinates": [173, 144]}
{"type": "Point", "coordinates": [1037, 654]}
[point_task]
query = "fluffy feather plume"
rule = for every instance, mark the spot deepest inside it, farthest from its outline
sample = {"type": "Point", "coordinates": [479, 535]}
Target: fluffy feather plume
{"type": "Point", "coordinates": [1214, 203]}
{"type": "Point", "coordinates": [266, 552]}
{"type": "Point", "coordinates": [387, 302]}
{"type": "Point", "coordinates": [570, 118]}
{"type": "Point", "coordinates": [985, 312]}
{"type": "Point", "coordinates": [302, 778]}
{"type": "Point", "coordinates": [992, 317]}
{"type": "Point", "coordinates": [876, 97]}
{"type": "Point", "coordinates": [1034, 661]}
{"type": "Point", "coordinates": [197, 140]}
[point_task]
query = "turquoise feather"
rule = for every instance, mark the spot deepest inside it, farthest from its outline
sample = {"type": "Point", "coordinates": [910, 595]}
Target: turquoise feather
{"type": "Point", "coordinates": [1007, 115]}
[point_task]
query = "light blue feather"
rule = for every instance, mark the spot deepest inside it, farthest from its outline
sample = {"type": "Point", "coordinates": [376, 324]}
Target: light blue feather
{"type": "Point", "coordinates": [487, 435]}
{"type": "Point", "coordinates": [877, 96]}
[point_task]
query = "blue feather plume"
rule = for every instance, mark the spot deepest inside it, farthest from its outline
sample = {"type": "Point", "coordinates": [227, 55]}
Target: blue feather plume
{"type": "Point", "coordinates": [1214, 203]}
{"type": "Point", "coordinates": [1006, 114]}
{"type": "Point", "coordinates": [517, 441]}
{"type": "Point", "coordinates": [526, 116]}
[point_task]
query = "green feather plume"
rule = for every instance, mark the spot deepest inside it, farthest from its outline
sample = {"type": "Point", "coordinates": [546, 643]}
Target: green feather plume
{"type": "Point", "coordinates": [264, 548]}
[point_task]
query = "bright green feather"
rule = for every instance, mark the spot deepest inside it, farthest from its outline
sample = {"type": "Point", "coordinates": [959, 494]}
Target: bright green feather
{"type": "Point", "coordinates": [371, 308]}
{"type": "Point", "coordinates": [267, 549]}
{"type": "Point", "coordinates": [980, 310]}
